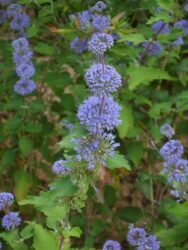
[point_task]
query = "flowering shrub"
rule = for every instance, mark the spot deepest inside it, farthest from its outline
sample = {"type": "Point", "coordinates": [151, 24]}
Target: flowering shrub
{"type": "Point", "coordinates": [93, 124]}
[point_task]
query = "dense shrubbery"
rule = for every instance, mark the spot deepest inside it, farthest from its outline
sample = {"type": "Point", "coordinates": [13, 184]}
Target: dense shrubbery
{"type": "Point", "coordinates": [90, 92]}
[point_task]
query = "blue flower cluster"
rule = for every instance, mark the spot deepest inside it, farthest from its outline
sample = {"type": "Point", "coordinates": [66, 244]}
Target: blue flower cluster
{"type": "Point", "coordinates": [95, 150]}
{"type": "Point", "coordinates": [138, 238]}
{"type": "Point", "coordinates": [22, 55]}
{"type": "Point", "coordinates": [102, 79]}
{"type": "Point", "coordinates": [11, 220]}
{"type": "Point", "coordinates": [99, 113]}
{"type": "Point", "coordinates": [24, 67]}
{"type": "Point", "coordinates": [175, 167]}
{"type": "Point", "coordinates": [153, 47]}
{"type": "Point", "coordinates": [111, 245]}
{"type": "Point", "coordinates": [59, 167]}
{"type": "Point", "coordinates": [89, 19]}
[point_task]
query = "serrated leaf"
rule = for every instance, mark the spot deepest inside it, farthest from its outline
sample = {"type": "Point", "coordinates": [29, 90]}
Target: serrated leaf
{"type": "Point", "coordinates": [145, 75]}
{"type": "Point", "coordinates": [44, 239]}
{"type": "Point", "coordinates": [117, 161]}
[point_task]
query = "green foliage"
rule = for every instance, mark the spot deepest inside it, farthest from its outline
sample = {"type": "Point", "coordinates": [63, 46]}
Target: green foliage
{"type": "Point", "coordinates": [88, 207]}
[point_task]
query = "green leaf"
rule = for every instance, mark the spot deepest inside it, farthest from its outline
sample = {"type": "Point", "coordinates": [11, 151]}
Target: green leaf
{"type": "Point", "coordinates": [145, 75]}
{"type": "Point", "coordinates": [136, 38]}
{"type": "Point", "coordinates": [158, 108]}
{"type": "Point", "coordinates": [76, 132]}
{"type": "Point", "coordinates": [117, 161]}
{"type": "Point", "coordinates": [54, 215]}
{"type": "Point", "coordinates": [32, 127]}
{"type": "Point", "coordinates": [135, 151]}
{"type": "Point", "coordinates": [25, 145]}
{"type": "Point", "coordinates": [44, 239]}
{"type": "Point", "coordinates": [173, 236]}
{"type": "Point", "coordinates": [126, 121]}
{"type": "Point", "coordinates": [27, 232]}
{"type": "Point", "coordinates": [11, 238]}
{"type": "Point", "coordinates": [12, 124]}
{"type": "Point", "coordinates": [44, 49]}
{"type": "Point", "coordinates": [22, 184]}
{"type": "Point", "coordinates": [74, 232]}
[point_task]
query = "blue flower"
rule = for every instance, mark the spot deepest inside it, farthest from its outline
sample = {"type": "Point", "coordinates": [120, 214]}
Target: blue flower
{"type": "Point", "coordinates": [153, 48]}
{"type": "Point", "coordinates": [177, 42]}
{"type": "Point", "coordinates": [185, 7]}
{"type": "Point", "coordinates": [78, 46]}
{"type": "Point", "coordinates": [102, 79]}
{"type": "Point", "coordinates": [176, 171]}
{"type": "Point", "coordinates": [22, 53]}
{"type": "Point", "coordinates": [111, 245]}
{"type": "Point", "coordinates": [19, 22]}
{"type": "Point", "coordinates": [151, 243]}
{"type": "Point", "coordinates": [95, 150]}
{"type": "Point", "coordinates": [25, 70]}
{"type": "Point", "coordinates": [171, 151]}
{"type": "Point", "coordinates": [99, 114]}
{"type": "Point", "coordinates": [98, 7]}
{"type": "Point", "coordinates": [84, 19]}
{"type": "Point", "coordinates": [136, 236]}
{"type": "Point", "coordinates": [24, 86]}
{"type": "Point", "coordinates": [167, 131]}
{"type": "Point", "coordinates": [182, 24]}
{"type": "Point", "coordinates": [100, 23]}
{"type": "Point", "coordinates": [99, 43]}
{"type": "Point", "coordinates": [164, 28]}
{"type": "Point", "coordinates": [13, 10]}
{"type": "Point", "coordinates": [11, 221]}
{"type": "Point", "coordinates": [6, 200]}
{"type": "Point", "coordinates": [59, 167]}
{"type": "Point", "coordinates": [6, 2]}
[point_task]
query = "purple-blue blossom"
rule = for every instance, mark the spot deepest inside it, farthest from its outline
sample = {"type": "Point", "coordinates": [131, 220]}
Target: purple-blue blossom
{"type": "Point", "coordinates": [100, 43]}
{"type": "Point", "coordinates": [59, 167]}
{"type": "Point", "coordinates": [100, 23]}
{"type": "Point", "coordinates": [78, 46]}
{"type": "Point", "coordinates": [171, 151]}
{"type": "Point", "coordinates": [177, 42]}
{"type": "Point", "coordinates": [102, 79]}
{"type": "Point", "coordinates": [6, 200]}
{"type": "Point", "coordinates": [13, 10]}
{"type": "Point", "coordinates": [11, 220]}
{"type": "Point", "coordinates": [136, 236]}
{"type": "Point", "coordinates": [99, 114]}
{"type": "Point", "coordinates": [176, 171]}
{"type": "Point", "coordinates": [167, 131]}
{"type": "Point", "coordinates": [151, 243]}
{"type": "Point", "coordinates": [95, 150]}
{"type": "Point", "coordinates": [25, 70]}
{"type": "Point", "coordinates": [182, 24]}
{"type": "Point", "coordinates": [160, 27]}
{"type": "Point", "coordinates": [84, 19]}
{"type": "Point", "coordinates": [19, 22]}
{"type": "Point", "coordinates": [153, 48]}
{"type": "Point", "coordinates": [21, 53]}
{"type": "Point", "coordinates": [6, 2]}
{"type": "Point", "coordinates": [24, 86]}
{"type": "Point", "coordinates": [98, 7]}
{"type": "Point", "coordinates": [111, 245]}
{"type": "Point", "coordinates": [185, 7]}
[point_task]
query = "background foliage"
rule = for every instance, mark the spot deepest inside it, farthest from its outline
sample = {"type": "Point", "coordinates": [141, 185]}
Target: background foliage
{"type": "Point", "coordinates": [32, 135]}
